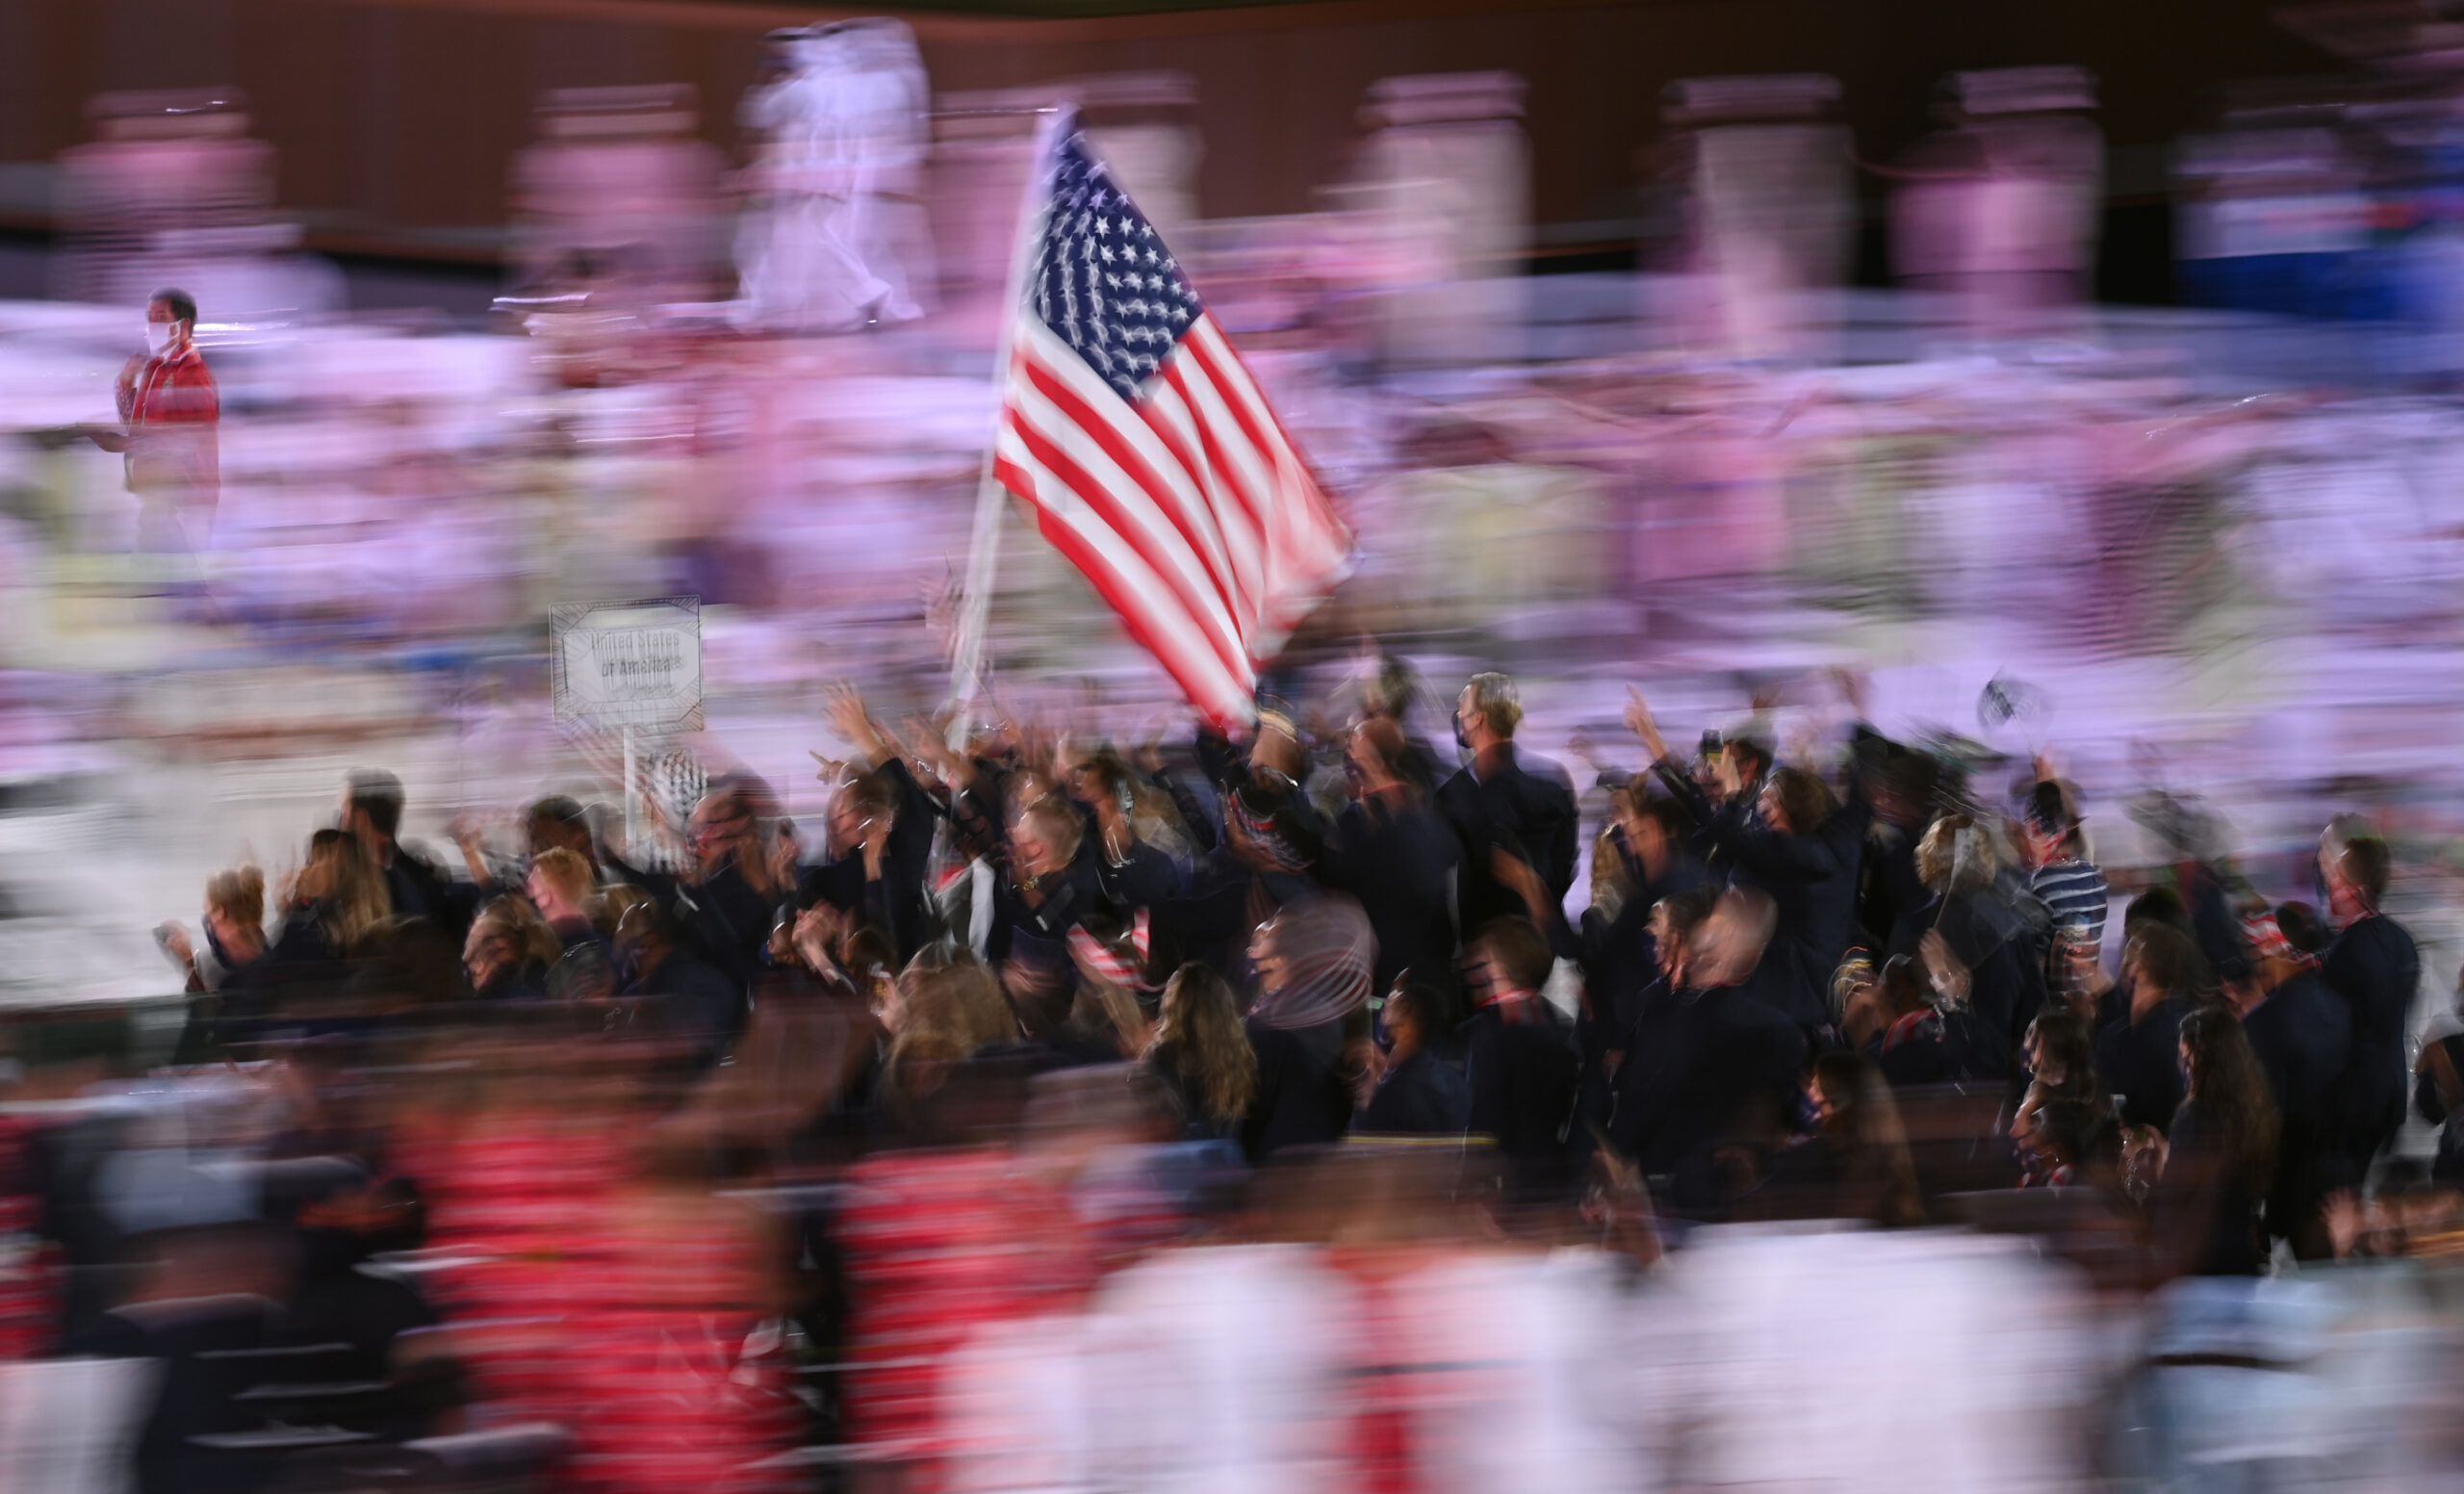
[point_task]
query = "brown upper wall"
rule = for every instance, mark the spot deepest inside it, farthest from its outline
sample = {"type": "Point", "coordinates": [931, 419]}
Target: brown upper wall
{"type": "Point", "coordinates": [404, 114]}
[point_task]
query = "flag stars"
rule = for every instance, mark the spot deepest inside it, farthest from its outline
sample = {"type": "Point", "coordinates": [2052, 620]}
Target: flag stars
{"type": "Point", "coordinates": [1102, 280]}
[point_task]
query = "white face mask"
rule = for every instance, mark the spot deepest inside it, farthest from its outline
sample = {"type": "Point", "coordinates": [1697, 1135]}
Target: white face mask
{"type": "Point", "coordinates": [158, 336]}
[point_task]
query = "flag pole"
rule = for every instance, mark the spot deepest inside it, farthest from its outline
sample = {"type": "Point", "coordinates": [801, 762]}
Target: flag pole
{"type": "Point", "coordinates": [983, 545]}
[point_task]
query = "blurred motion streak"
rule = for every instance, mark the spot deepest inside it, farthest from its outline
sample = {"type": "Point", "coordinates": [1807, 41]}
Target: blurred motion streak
{"type": "Point", "coordinates": [1617, 856]}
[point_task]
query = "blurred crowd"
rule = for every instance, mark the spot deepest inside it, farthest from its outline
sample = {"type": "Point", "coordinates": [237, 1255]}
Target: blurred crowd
{"type": "Point", "coordinates": [1066, 1114]}
{"type": "Point", "coordinates": [1774, 1088]}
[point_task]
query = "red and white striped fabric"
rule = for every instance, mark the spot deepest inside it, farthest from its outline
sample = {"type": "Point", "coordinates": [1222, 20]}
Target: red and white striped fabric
{"type": "Point", "coordinates": [1148, 452]}
{"type": "Point", "coordinates": [1121, 961]}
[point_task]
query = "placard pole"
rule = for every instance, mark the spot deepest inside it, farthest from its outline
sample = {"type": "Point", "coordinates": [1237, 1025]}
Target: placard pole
{"type": "Point", "coordinates": [633, 820]}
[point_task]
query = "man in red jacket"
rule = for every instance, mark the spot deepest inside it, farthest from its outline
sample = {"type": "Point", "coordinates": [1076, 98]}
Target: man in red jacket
{"type": "Point", "coordinates": [170, 412]}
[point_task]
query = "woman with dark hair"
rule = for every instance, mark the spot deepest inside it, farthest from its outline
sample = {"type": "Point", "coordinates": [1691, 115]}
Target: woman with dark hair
{"type": "Point", "coordinates": [2217, 1161]}
{"type": "Point", "coordinates": [1200, 1055]}
{"type": "Point", "coordinates": [2060, 1057]}
{"type": "Point", "coordinates": [2162, 972]}
{"type": "Point", "coordinates": [2063, 1142]}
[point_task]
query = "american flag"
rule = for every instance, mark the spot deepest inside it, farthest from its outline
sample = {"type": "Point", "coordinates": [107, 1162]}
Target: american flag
{"type": "Point", "coordinates": [1151, 457]}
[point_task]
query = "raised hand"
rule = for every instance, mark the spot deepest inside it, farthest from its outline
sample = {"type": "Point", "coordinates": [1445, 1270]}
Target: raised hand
{"type": "Point", "coordinates": [847, 714]}
{"type": "Point", "coordinates": [942, 607]}
{"type": "Point", "coordinates": [1638, 719]}
{"type": "Point", "coordinates": [175, 944]}
{"type": "Point", "coordinates": [1943, 967]}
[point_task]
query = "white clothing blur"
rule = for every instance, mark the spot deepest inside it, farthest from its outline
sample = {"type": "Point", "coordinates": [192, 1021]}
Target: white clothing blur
{"type": "Point", "coordinates": [1223, 1370]}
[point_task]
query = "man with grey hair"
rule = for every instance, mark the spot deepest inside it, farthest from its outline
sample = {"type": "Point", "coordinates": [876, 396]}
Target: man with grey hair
{"type": "Point", "coordinates": [1502, 806]}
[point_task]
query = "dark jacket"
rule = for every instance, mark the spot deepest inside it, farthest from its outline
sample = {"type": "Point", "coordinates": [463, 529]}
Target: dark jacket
{"type": "Point", "coordinates": [1889, 887]}
{"type": "Point", "coordinates": [2302, 1037]}
{"type": "Point", "coordinates": [1302, 1098]}
{"type": "Point", "coordinates": [1703, 1065]}
{"type": "Point", "coordinates": [689, 999]}
{"type": "Point", "coordinates": [1280, 816]}
{"type": "Point", "coordinates": [895, 903]}
{"type": "Point", "coordinates": [730, 923]}
{"type": "Point", "coordinates": [1396, 860]}
{"type": "Point", "coordinates": [419, 889]}
{"type": "Point", "coordinates": [1812, 879]}
{"type": "Point", "coordinates": [1618, 957]}
{"type": "Point", "coordinates": [1524, 807]}
{"type": "Point", "coordinates": [1935, 1047]}
{"type": "Point", "coordinates": [2141, 1062]}
{"type": "Point", "coordinates": [2006, 985]}
{"type": "Point", "coordinates": [1063, 899]}
{"type": "Point", "coordinates": [2376, 967]}
{"type": "Point", "coordinates": [302, 943]}
{"type": "Point", "coordinates": [1423, 1095]}
{"type": "Point", "coordinates": [1522, 1069]}
{"type": "Point", "coordinates": [1144, 876]}
{"type": "Point", "coordinates": [2204, 1217]}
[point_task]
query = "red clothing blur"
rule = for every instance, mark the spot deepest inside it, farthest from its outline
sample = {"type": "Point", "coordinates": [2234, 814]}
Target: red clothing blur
{"type": "Point", "coordinates": [29, 1273]}
{"type": "Point", "coordinates": [940, 1243]}
{"type": "Point", "coordinates": [621, 1311]}
{"type": "Point", "coordinates": [1386, 1379]}
{"type": "Point", "coordinates": [171, 407]}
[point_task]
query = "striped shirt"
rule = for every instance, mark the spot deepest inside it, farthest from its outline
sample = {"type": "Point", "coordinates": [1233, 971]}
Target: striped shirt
{"type": "Point", "coordinates": [2074, 893]}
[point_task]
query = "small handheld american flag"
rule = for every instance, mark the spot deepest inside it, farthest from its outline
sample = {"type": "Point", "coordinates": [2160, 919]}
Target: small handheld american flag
{"type": "Point", "coordinates": [1148, 453]}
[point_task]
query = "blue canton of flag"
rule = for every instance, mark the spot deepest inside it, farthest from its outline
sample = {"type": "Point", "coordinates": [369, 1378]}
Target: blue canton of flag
{"type": "Point", "coordinates": [1102, 279]}
{"type": "Point", "coordinates": [1151, 456]}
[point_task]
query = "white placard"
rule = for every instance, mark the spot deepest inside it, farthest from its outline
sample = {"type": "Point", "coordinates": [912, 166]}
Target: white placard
{"type": "Point", "coordinates": [628, 663]}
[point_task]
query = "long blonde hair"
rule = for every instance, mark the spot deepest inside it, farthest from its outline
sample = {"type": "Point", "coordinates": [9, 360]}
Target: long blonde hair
{"type": "Point", "coordinates": [525, 936]}
{"type": "Point", "coordinates": [1956, 849]}
{"type": "Point", "coordinates": [1200, 1031]}
{"type": "Point", "coordinates": [948, 1012]}
{"type": "Point", "coordinates": [343, 882]}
